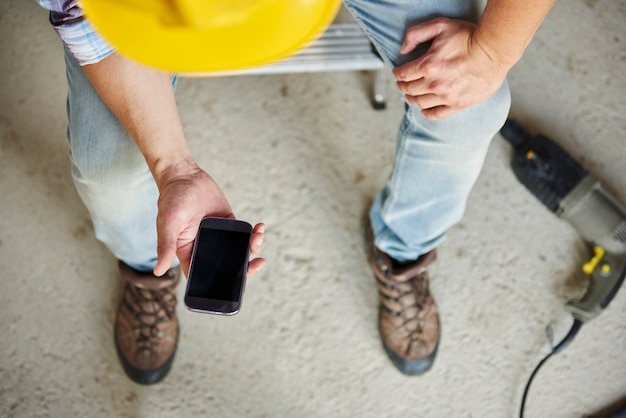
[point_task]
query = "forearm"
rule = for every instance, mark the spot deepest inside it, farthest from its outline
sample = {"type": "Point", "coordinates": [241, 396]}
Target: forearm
{"type": "Point", "coordinates": [507, 27]}
{"type": "Point", "coordinates": [143, 101]}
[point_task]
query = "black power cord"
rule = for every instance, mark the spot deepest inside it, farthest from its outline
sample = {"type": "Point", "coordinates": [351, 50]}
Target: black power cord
{"type": "Point", "coordinates": [558, 348]}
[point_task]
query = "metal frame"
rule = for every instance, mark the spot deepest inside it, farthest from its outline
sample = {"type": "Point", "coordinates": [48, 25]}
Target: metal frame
{"type": "Point", "coordinates": [342, 47]}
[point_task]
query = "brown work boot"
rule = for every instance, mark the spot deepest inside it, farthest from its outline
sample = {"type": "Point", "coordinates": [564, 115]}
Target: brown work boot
{"type": "Point", "coordinates": [408, 319]}
{"type": "Point", "coordinates": [146, 327]}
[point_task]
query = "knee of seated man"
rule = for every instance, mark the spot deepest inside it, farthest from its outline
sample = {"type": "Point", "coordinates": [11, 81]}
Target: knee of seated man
{"type": "Point", "coordinates": [468, 130]}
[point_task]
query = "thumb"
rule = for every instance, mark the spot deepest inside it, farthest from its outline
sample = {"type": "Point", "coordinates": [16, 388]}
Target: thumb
{"type": "Point", "coordinates": [419, 34]}
{"type": "Point", "coordinates": [166, 249]}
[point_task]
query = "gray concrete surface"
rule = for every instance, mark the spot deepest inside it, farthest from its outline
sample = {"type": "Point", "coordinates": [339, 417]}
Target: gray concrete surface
{"type": "Point", "coordinates": [304, 153]}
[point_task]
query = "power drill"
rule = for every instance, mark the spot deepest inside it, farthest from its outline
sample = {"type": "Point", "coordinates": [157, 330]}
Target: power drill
{"type": "Point", "coordinates": [569, 191]}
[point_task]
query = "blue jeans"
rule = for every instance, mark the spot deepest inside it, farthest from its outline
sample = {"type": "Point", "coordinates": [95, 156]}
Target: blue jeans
{"type": "Point", "coordinates": [110, 174]}
{"type": "Point", "coordinates": [437, 162]}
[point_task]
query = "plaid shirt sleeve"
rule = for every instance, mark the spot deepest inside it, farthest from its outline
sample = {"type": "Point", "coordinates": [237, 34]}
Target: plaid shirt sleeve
{"type": "Point", "coordinates": [76, 32]}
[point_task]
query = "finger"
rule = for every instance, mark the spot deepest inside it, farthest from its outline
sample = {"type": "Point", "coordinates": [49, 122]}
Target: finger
{"type": "Point", "coordinates": [260, 227]}
{"type": "Point", "coordinates": [439, 112]}
{"type": "Point", "coordinates": [421, 33]}
{"type": "Point", "coordinates": [256, 240]}
{"type": "Point", "coordinates": [166, 253]}
{"type": "Point", "coordinates": [254, 266]}
{"type": "Point", "coordinates": [408, 72]}
{"type": "Point", "coordinates": [424, 85]}
{"type": "Point", "coordinates": [428, 67]}
{"type": "Point", "coordinates": [256, 244]}
{"type": "Point", "coordinates": [166, 246]}
{"type": "Point", "coordinates": [425, 101]}
{"type": "Point", "coordinates": [414, 87]}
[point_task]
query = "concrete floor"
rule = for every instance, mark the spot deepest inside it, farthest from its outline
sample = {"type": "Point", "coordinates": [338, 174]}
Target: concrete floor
{"type": "Point", "coordinates": [304, 153]}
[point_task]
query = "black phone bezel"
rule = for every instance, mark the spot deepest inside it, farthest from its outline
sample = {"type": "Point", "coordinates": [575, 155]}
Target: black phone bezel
{"type": "Point", "coordinates": [218, 306]}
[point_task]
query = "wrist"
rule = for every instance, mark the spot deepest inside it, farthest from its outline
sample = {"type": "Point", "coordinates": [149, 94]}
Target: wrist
{"type": "Point", "coordinates": [167, 170]}
{"type": "Point", "coordinates": [501, 54]}
{"type": "Point", "coordinates": [507, 27]}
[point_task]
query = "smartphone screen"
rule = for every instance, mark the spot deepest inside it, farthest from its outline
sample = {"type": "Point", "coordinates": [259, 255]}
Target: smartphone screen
{"type": "Point", "coordinates": [218, 266]}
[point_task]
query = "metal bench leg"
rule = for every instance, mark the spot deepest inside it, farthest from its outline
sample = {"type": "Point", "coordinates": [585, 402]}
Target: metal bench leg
{"type": "Point", "coordinates": [379, 89]}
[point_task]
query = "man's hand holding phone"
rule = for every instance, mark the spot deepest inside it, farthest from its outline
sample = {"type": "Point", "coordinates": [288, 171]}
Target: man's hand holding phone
{"type": "Point", "coordinates": [186, 196]}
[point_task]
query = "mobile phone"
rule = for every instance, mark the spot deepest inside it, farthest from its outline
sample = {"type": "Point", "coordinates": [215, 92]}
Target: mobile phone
{"type": "Point", "coordinates": [219, 263]}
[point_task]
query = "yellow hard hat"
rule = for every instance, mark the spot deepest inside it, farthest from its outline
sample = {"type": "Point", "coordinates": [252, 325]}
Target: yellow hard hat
{"type": "Point", "coordinates": [209, 35]}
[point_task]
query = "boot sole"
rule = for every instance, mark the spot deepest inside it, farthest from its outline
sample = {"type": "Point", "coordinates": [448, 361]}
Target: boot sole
{"type": "Point", "coordinates": [145, 377]}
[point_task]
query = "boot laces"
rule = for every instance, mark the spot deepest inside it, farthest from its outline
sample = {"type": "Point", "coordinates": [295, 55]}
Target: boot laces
{"type": "Point", "coordinates": [419, 288]}
{"type": "Point", "coordinates": [150, 308]}
{"type": "Point", "coordinates": [411, 322]}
